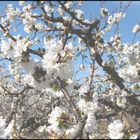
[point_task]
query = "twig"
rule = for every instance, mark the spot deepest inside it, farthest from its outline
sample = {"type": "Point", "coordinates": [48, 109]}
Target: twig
{"type": "Point", "coordinates": [68, 98]}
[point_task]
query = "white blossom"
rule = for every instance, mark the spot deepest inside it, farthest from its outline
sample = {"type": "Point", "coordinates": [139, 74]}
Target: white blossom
{"type": "Point", "coordinates": [48, 9]}
{"type": "Point", "coordinates": [41, 128]}
{"type": "Point", "coordinates": [55, 114]}
{"type": "Point", "coordinates": [50, 61]}
{"type": "Point", "coordinates": [90, 122]}
{"type": "Point", "coordinates": [118, 17]}
{"type": "Point", "coordinates": [40, 27]}
{"type": "Point", "coordinates": [104, 12]}
{"type": "Point", "coordinates": [115, 129]}
{"type": "Point", "coordinates": [5, 132]}
{"type": "Point", "coordinates": [12, 12]}
{"type": "Point", "coordinates": [121, 101]}
{"type": "Point", "coordinates": [115, 18]}
{"type": "Point", "coordinates": [21, 3]}
{"type": "Point", "coordinates": [60, 10]}
{"type": "Point", "coordinates": [51, 92]}
{"type": "Point", "coordinates": [68, 4]}
{"type": "Point", "coordinates": [5, 47]}
{"type": "Point", "coordinates": [28, 21]}
{"type": "Point", "coordinates": [79, 14]}
{"type": "Point", "coordinates": [58, 120]}
{"type": "Point", "coordinates": [110, 20]}
{"type": "Point", "coordinates": [70, 132]}
{"type": "Point", "coordinates": [83, 89]}
{"type": "Point", "coordinates": [134, 136]}
{"type": "Point", "coordinates": [136, 28]}
{"type": "Point", "coordinates": [82, 67]}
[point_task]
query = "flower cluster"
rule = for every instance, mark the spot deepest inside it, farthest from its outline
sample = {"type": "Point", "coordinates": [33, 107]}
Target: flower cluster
{"type": "Point", "coordinates": [15, 50]}
{"type": "Point", "coordinates": [56, 63]}
{"type": "Point", "coordinates": [57, 59]}
{"type": "Point", "coordinates": [12, 12]}
{"type": "Point", "coordinates": [132, 56]}
{"type": "Point", "coordinates": [5, 132]}
{"type": "Point", "coordinates": [89, 108]}
{"type": "Point", "coordinates": [60, 123]}
{"type": "Point", "coordinates": [115, 129]}
{"type": "Point", "coordinates": [115, 18]}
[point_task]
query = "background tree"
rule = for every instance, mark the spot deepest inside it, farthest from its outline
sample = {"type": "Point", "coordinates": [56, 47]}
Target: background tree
{"type": "Point", "coordinates": [40, 93]}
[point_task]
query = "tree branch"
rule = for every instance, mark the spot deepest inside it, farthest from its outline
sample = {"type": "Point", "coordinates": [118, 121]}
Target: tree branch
{"type": "Point", "coordinates": [68, 98]}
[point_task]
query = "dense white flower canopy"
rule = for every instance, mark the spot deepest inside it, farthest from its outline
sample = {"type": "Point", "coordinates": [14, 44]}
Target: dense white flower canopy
{"type": "Point", "coordinates": [61, 77]}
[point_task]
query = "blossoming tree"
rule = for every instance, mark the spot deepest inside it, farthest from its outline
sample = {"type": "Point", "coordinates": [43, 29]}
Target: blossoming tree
{"type": "Point", "coordinates": [44, 46]}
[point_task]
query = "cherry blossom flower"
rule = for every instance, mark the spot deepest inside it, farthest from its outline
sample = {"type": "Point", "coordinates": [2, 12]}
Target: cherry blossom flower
{"type": "Point", "coordinates": [136, 28]}
{"type": "Point", "coordinates": [115, 129]}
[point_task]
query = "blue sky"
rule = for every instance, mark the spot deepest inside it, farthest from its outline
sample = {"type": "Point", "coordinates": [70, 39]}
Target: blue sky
{"type": "Point", "coordinates": [91, 9]}
{"type": "Point", "coordinates": [126, 25]}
